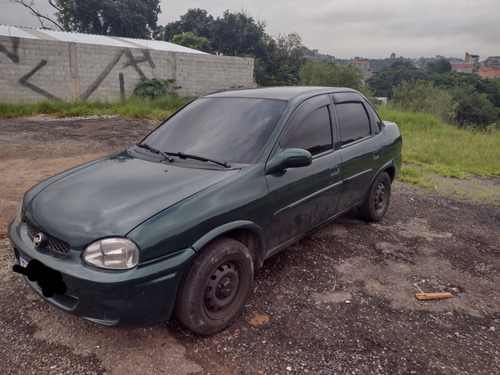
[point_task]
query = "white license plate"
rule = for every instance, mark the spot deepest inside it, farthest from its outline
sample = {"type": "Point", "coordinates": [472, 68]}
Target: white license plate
{"type": "Point", "coordinates": [23, 260]}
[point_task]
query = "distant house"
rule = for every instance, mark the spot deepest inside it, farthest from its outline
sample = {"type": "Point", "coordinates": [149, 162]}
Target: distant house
{"type": "Point", "coordinates": [364, 66]}
{"type": "Point", "coordinates": [491, 68]}
{"type": "Point", "coordinates": [489, 72]}
{"type": "Point", "coordinates": [469, 66]}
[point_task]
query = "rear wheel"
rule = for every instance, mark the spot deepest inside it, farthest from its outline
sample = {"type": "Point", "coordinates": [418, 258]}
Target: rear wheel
{"type": "Point", "coordinates": [378, 199]}
{"type": "Point", "coordinates": [215, 287]}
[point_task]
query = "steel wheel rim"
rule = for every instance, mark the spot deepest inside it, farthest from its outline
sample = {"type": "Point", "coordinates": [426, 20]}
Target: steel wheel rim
{"type": "Point", "coordinates": [380, 200]}
{"type": "Point", "coordinates": [221, 290]}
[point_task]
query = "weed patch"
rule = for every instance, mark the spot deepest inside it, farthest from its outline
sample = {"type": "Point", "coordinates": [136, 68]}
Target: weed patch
{"type": "Point", "coordinates": [135, 107]}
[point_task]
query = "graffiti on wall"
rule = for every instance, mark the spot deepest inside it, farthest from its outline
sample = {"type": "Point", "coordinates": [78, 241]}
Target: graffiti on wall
{"type": "Point", "coordinates": [130, 61]}
{"type": "Point", "coordinates": [11, 55]}
{"type": "Point", "coordinates": [124, 54]}
{"type": "Point", "coordinates": [24, 81]}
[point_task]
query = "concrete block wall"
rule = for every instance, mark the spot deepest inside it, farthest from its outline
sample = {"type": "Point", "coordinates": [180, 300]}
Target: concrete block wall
{"type": "Point", "coordinates": [213, 73]}
{"type": "Point", "coordinates": [25, 75]}
{"type": "Point", "coordinates": [33, 70]}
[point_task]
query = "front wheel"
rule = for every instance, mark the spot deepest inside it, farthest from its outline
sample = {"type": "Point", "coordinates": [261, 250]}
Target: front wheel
{"type": "Point", "coordinates": [215, 287]}
{"type": "Point", "coordinates": [378, 199]}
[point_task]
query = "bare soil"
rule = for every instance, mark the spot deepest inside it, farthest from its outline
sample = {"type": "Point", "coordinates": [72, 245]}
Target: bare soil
{"type": "Point", "coordinates": [341, 301]}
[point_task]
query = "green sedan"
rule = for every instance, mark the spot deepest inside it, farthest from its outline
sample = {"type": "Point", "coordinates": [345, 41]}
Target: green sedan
{"type": "Point", "coordinates": [180, 222]}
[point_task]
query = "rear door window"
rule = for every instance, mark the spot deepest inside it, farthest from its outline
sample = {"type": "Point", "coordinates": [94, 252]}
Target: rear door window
{"type": "Point", "coordinates": [354, 123]}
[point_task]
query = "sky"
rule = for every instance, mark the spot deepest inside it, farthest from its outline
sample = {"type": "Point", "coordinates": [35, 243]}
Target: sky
{"type": "Point", "coordinates": [348, 28]}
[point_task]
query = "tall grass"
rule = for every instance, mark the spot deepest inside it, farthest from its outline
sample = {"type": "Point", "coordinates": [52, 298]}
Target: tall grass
{"type": "Point", "coordinates": [431, 146]}
{"type": "Point", "coordinates": [157, 109]}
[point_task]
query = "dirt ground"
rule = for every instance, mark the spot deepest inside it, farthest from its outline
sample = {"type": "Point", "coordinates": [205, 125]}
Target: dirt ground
{"type": "Point", "coordinates": [341, 301]}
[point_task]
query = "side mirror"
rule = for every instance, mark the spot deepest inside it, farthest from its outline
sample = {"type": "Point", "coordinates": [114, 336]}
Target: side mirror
{"type": "Point", "coordinates": [289, 158]}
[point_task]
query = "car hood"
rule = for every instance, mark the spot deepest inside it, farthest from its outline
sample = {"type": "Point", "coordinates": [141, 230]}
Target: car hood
{"type": "Point", "coordinates": [112, 196]}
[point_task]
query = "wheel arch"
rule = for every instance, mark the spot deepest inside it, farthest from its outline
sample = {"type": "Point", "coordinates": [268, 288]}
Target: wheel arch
{"type": "Point", "coordinates": [246, 232]}
{"type": "Point", "coordinates": [391, 171]}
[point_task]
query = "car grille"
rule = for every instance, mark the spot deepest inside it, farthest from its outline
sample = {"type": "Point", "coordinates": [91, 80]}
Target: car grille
{"type": "Point", "coordinates": [53, 243]}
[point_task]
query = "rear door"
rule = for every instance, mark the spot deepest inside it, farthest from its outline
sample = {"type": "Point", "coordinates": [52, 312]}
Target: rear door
{"type": "Point", "coordinates": [358, 127]}
{"type": "Point", "coordinates": [302, 198]}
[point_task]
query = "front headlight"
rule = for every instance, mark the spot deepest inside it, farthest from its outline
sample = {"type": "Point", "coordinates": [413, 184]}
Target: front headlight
{"type": "Point", "coordinates": [112, 253]}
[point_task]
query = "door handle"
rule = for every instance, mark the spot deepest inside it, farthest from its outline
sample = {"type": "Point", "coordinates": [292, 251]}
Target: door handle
{"type": "Point", "coordinates": [334, 171]}
{"type": "Point", "coordinates": [375, 155]}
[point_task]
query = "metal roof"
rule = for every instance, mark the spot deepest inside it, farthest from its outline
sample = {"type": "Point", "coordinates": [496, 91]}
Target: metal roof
{"type": "Point", "coordinates": [26, 32]}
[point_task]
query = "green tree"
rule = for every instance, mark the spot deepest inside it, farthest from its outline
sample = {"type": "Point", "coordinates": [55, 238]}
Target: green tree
{"type": "Point", "coordinates": [280, 60]}
{"type": "Point", "coordinates": [391, 77]}
{"type": "Point", "coordinates": [188, 39]}
{"type": "Point", "coordinates": [495, 87]}
{"type": "Point", "coordinates": [237, 34]}
{"type": "Point", "coordinates": [124, 18]}
{"type": "Point", "coordinates": [196, 21]}
{"type": "Point", "coordinates": [474, 109]}
{"type": "Point", "coordinates": [453, 80]}
{"type": "Point", "coordinates": [264, 63]}
{"type": "Point", "coordinates": [439, 67]}
{"type": "Point", "coordinates": [326, 73]}
{"type": "Point", "coordinates": [289, 52]}
{"type": "Point", "coordinates": [277, 60]}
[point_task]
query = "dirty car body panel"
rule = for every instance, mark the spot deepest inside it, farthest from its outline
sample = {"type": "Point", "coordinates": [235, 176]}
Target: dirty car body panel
{"type": "Point", "coordinates": [260, 167]}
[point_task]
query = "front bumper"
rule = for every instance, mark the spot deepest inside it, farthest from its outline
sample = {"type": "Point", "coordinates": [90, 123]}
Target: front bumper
{"type": "Point", "coordinates": [137, 297]}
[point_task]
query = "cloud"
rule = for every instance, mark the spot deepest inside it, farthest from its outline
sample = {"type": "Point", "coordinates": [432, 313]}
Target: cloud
{"type": "Point", "coordinates": [14, 14]}
{"type": "Point", "coordinates": [345, 29]}
{"type": "Point", "coordinates": [412, 28]}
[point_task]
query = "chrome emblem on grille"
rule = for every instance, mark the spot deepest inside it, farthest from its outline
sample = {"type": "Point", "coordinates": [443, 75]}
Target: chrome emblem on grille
{"type": "Point", "coordinates": [39, 240]}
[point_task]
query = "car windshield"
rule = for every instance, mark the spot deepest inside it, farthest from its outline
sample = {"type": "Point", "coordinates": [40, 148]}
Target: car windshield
{"type": "Point", "coordinates": [233, 130]}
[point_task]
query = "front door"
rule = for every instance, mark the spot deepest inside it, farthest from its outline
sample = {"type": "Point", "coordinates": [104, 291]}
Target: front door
{"type": "Point", "coordinates": [302, 198]}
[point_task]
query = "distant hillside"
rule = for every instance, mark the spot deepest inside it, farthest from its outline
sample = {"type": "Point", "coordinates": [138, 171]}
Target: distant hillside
{"type": "Point", "coordinates": [376, 64]}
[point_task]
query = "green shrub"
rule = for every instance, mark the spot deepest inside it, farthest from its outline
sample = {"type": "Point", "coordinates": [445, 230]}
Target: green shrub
{"type": "Point", "coordinates": [153, 88]}
{"type": "Point", "coordinates": [475, 110]}
{"type": "Point", "coordinates": [423, 96]}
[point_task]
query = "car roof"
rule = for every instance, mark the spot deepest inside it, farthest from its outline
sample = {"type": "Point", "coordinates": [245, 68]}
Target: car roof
{"type": "Point", "coordinates": [287, 93]}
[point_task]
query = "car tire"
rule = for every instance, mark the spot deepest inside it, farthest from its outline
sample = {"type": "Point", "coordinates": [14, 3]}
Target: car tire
{"type": "Point", "coordinates": [215, 287]}
{"type": "Point", "coordinates": [378, 199]}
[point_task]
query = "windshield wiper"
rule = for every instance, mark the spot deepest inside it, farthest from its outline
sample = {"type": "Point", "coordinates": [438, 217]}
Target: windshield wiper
{"type": "Point", "coordinates": [166, 155]}
{"type": "Point", "coordinates": [201, 158]}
